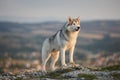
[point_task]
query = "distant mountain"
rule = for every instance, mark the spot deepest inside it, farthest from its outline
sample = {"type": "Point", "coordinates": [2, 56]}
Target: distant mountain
{"type": "Point", "coordinates": [90, 26]}
{"type": "Point", "coordinates": [108, 26]}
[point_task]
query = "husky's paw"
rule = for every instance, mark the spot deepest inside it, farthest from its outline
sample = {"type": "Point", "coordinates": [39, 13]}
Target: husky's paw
{"type": "Point", "coordinates": [54, 69]}
{"type": "Point", "coordinates": [64, 66]}
{"type": "Point", "coordinates": [72, 64]}
{"type": "Point", "coordinates": [44, 72]}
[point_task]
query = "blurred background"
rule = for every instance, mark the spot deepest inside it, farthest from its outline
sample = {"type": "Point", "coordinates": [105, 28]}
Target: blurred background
{"type": "Point", "coordinates": [24, 25]}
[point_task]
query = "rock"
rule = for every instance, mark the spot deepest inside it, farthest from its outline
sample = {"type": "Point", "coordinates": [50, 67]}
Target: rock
{"type": "Point", "coordinates": [5, 74]}
{"type": "Point", "coordinates": [70, 73]}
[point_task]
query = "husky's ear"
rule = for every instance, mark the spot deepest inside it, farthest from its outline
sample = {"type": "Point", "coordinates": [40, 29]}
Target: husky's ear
{"type": "Point", "coordinates": [78, 19]}
{"type": "Point", "coordinates": [69, 19]}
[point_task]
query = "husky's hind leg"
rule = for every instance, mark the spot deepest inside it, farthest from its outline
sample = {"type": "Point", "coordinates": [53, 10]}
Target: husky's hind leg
{"type": "Point", "coordinates": [45, 54]}
{"type": "Point", "coordinates": [55, 57]}
{"type": "Point", "coordinates": [45, 58]}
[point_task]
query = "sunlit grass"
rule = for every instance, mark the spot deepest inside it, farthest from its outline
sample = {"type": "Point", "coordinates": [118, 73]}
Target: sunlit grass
{"type": "Point", "coordinates": [87, 76]}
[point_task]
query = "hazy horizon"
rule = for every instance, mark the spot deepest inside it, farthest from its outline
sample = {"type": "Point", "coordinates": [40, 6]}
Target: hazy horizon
{"type": "Point", "coordinates": [58, 10]}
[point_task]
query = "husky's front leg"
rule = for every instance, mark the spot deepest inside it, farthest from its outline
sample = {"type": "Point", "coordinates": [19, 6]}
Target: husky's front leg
{"type": "Point", "coordinates": [71, 54]}
{"type": "Point", "coordinates": [72, 63]}
{"type": "Point", "coordinates": [62, 52]}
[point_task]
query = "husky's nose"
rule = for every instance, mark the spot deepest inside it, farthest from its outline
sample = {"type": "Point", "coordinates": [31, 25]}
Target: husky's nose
{"type": "Point", "coordinates": [77, 28]}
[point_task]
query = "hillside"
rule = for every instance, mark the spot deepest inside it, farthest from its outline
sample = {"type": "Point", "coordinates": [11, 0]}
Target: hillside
{"type": "Point", "coordinates": [28, 37]}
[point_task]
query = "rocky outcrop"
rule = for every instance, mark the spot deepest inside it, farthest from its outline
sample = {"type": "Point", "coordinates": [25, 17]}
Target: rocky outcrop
{"type": "Point", "coordinates": [70, 73]}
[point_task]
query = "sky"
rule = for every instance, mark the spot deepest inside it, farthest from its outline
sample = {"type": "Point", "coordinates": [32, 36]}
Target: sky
{"type": "Point", "coordinates": [51, 10]}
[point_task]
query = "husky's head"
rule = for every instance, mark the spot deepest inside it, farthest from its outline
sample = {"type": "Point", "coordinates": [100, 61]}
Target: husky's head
{"type": "Point", "coordinates": [73, 25]}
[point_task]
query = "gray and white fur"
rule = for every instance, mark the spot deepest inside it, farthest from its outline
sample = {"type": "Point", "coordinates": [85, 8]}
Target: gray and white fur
{"type": "Point", "coordinates": [64, 39]}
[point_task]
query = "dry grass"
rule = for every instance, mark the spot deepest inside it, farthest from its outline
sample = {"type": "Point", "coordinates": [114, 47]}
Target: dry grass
{"type": "Point", "coordinates": [91, 36]}
{"type": "Point", "coordinates": [115, 35]}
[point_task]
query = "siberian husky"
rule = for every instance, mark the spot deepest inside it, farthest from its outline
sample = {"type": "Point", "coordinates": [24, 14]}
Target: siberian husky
{"type": "Point", "coordinates": [64, 39]}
